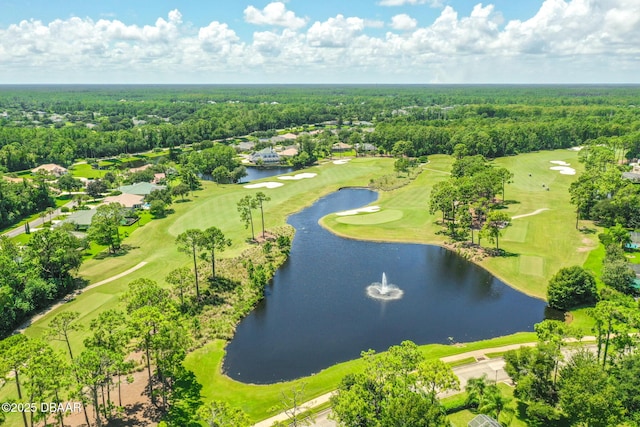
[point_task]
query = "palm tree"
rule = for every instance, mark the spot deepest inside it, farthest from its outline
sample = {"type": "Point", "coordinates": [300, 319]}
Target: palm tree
{"type": "Point", "coordinates": [476, 389]}
{"type": "Point", "coordinates": [494, 402]}
{"type": "Point", "coordinates": [50, 211]}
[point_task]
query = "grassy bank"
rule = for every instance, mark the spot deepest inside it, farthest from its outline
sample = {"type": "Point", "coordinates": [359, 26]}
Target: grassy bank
{"type": "Point", "coordinates": [261, 401]}
{"type": "Point", "coordinates": [539, 245]}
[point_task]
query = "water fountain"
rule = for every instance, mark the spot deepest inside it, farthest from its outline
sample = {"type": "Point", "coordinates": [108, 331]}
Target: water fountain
{"type": "Point", "coordinates": [384, 291]}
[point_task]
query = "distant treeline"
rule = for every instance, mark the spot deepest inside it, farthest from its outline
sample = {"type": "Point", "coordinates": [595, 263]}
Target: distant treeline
{"type": "Point", "coordinates": [59, 124]}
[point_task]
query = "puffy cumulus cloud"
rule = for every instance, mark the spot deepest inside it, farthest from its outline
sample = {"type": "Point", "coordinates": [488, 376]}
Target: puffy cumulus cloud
{"type": "Point", "coordinates": [335, 32]}
{"type": "Point", "coordinates": [217, 37]}
{"type": "Point", "coordinates": [432, 3]}
{"type": "Point", "coordinates": [403, 22]}
{"type": "Point", "coordinates": [566, 40]}
{"type": "Point", "coordinates": [276, 14]}
{"type": "Point", "coordinates": [576, 27]}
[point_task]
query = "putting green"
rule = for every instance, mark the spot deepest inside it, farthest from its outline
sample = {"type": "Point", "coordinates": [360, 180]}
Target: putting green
{"type": "Point", "coordinates": [381, 217]}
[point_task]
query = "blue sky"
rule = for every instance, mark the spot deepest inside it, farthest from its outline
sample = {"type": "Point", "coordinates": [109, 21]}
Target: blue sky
{"type": "Point", "coordinates": [328, 41]}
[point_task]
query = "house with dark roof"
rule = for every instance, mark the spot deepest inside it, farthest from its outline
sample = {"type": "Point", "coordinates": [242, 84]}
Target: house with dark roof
{"type": "Point", "coordinates": [80, 219]}
{"type": "Point", "coordinates": [266, 155]}
{"type": "Point", "coordinates": [140, 188]}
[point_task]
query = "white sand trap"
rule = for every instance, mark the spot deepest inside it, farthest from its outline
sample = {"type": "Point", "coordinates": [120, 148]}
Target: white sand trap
{"type": "Point", "coordinates": [368, 209]}
{"type": "Point", "coordinates": [341, 162]}
{"type": "Point", "coordinates": [536, 212]}
{"type": "Point", "coordinates": [305, 175]}
{"type": "Point", "coordinates": [578, 148]}
{"type": "Point", "coordinates": [559, 162]}
{"type": "Point", "coordinates": [268, 184]}
{"type": "Point", "coordinates": [564, 170]}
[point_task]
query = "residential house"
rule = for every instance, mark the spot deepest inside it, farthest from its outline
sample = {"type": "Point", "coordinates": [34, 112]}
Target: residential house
{"type": "Point", "coordinates": [289, 152]}
{"type": "Point", "coordinates": [157, 177]}
{"type": "Point", "coordinates": [51, 168]}
{"type": "Point", "coordinates": [266, 156]}
{"type": "Point", "coordinates": [340, 147]}
{"type": "Point", "coordinates": [129, 201]}
{"type": "Point", "coordinates": [81, 219]}
{"type": "Point", "coordinates": [245, 146]}
{"type": "Point", "coordinates": [140, 188]}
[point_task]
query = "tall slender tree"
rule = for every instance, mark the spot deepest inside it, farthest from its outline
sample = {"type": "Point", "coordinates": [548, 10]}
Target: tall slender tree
{"type": "Point", "coordinates": [245, 208]}
{"type": "Point", "coordinates": [190, 242]}
{"type": "Point", "coordinates": [61, 325]}
{"type": "Point", "coordinates": [260, 199]}
{"type": "Point", "coordinates": [213, 239]}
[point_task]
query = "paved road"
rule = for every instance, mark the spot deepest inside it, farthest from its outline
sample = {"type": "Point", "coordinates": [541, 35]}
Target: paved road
{"type": "Point", "coordinates": [492, 368]}
{"type": "Point", "coordinates": [38, 222]}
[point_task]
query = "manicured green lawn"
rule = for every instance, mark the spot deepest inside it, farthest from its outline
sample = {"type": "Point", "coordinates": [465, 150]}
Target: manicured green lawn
{"type": "Point", "coordinates": [540, 245]}
{"type": "Point", "coordinates": [259, 400]}
{"type": "Point", "coordinates": [84, 170]}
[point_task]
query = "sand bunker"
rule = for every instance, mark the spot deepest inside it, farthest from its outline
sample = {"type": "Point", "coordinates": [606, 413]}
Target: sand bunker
{"type": "Point", "coordinates": [268, 184]}
{"type": "Point", "coordinates": [305, 175]}
{"type": "Point", "coordinates": [341, 162]}
{"type": "Point", "coordinates": [559, 162]}
{"type": "Point", "coordinates": [564, 170]}
{"type": "Point", "coordinates": [368, 209]}
{"type": "Point", "coordinates": [578, 148]}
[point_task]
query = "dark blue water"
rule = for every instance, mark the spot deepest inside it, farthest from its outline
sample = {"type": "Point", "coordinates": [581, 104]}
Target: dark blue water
{"type": "Point", "coordinates": [316, 312]}
{"type": "Point", "coordinates": [259, 173]}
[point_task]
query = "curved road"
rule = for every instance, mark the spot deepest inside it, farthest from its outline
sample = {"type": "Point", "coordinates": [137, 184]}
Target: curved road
{"type": "Point", "coordinates": [493, 368]}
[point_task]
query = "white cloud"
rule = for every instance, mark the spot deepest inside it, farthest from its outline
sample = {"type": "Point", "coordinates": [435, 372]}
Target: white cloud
{"type": "Point", "coordinates": [432, 3]}
{"type": "Point", "coordinates": [275, 13]}
{"type": "Point", "coordinates": [565, 41]}
{"type": "Point", "coordinates": [217, 37]}
{"type": "Point", "coordinates": [335, 32]}
{"type": "Point", "coordinates": [403, 22]}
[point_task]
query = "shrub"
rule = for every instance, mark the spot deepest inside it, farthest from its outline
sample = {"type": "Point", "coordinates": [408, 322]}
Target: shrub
{"type": "Point", "coordinates": [571, 287]}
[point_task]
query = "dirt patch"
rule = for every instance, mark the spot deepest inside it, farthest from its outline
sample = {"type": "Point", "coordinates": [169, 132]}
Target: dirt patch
{"type": "Point", "coordinates": [584, 249]}
{"type": "Point", "coordinates": [587, 241]}
{"type": "Point", "coordinates": [137, 408]}
{"type": "Point", "coordinates": [568, 318]}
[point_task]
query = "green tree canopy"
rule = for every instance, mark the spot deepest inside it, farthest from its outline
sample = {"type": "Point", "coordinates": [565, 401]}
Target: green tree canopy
{"type": "Point", "coordinates": [571, 287]}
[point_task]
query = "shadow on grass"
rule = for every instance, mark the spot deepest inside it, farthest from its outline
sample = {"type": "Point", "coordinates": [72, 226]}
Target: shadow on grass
{"type": "Point", "coordinates": [185, 400]}
{"type": "Point", "coordinates": [124, 249]}
{"type": "Point", "coordinates": [493, 252]}
{"type": "Point", "coordinates": [587, 230]}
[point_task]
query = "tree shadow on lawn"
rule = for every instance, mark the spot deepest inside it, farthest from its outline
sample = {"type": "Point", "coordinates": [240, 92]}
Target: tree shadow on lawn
{"type": "Point", "coordinates": [587, 230]}
{"type": "Point", "coordinates": [124, 250]}
{"type": "Point", "coordinates": [185, 400]}
{"type": "Point", "coordinates": [493, 252]}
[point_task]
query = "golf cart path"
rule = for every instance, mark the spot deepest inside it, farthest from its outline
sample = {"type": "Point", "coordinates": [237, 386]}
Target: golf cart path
{"type": "Point", "coordinates": [467, 369]}
{"type": "Point", "coordinates": [39, 316]}
{"type": "Point", "coordinates": [536, 212]}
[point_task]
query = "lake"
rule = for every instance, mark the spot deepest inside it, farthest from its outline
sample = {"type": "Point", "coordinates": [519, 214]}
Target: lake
{"type": "Point", "coordinates": [316, 311]}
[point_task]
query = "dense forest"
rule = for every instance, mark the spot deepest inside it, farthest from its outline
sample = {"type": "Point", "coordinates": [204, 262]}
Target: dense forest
{"type": "Point", "coordinates": [40, 124]}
